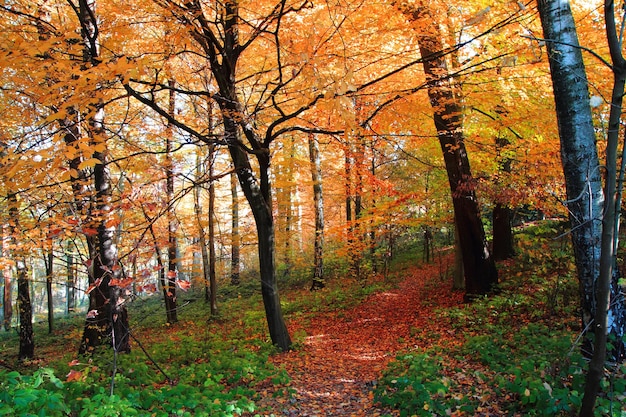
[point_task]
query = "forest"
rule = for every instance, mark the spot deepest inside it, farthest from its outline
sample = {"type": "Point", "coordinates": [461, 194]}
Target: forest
{"type": "Point", "coordinates": [312, 208]}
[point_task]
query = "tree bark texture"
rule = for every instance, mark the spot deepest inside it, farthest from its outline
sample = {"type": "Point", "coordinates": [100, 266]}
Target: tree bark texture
{"type": "Point", "coordinates": [6, 276]}
{"type": "Point", "coordinates": [211, 221]}
{"type": "Point", "coordinates": [234, 233]}
{"type": "Point", "coordinates": [24, 306]}
{"type": "Point", "coordinates": [479, 267]}
{"type": "Point", "coordinates": [579, 156]}
{"type": "Point", "coordinates": [169, 290]}
{"type": "Point", "coordinates": [49, 259]}
{"type": "Point", "coordinates": [503, 247]}
{"type": "Point", "coordinates": [318, 201]}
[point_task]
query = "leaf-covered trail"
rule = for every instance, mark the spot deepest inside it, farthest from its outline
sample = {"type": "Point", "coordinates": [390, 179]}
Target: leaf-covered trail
{"type": "Point", "coordinates": [333, 373]}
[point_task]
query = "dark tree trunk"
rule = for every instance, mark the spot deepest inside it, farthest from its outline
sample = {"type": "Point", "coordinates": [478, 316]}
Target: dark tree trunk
{"type": "Point", "coordinates": [234, 241]}
{"type": "Point", "coordinates": [169, 290]}
{"type": "Point", "coordinates": [503, 247]}
{"type": "Point", "coordinates": [48, 260]}
{"type": "Point", "coordinates": [259, 198]}
{"type": "Point", "coordinates": [211, 221]}
{"type": "Point", "coordinates": [70, 283]}
{"type": "Point", "coordinates": [107, 320]}
{"type": "Point", "coordinates": [479, 266]}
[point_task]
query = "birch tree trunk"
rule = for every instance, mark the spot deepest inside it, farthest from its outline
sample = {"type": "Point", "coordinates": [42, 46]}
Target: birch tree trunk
{"type": "Point", "coordinates": [318, 201]}
{"type": "Point", "coordinates": [6, 276]}
{"type": "Point", "coordinates": [24, 306]}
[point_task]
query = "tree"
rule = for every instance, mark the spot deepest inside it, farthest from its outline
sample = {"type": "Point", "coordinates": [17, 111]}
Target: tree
{"type": "Point", "coordinates": [217, 36]}
{"type": "Point", "coordinates": [318, 200]}
{"type": "Point", "coordinates": [24, 306]}
{"type": "Point", "coordinates": [169, 287]}
{"type": "Point", "coordinates": [235, 260]}
{"type": "Point", "coordinates": [107, 319]}
{"type": "Point", "coordinates": [479, 266]}
{"type": "Point", "coordinates": [594, 220]}
{"type": "Point", "coordinates": [7, 302]}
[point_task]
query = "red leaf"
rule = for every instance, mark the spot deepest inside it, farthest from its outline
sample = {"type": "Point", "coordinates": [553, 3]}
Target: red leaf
{"type": "Point", "coordinates": [90, 231]}
{"type": "Point", "coordinates": [148, 288]}
{"type": "Point", "coordinates": [74, 376]}
{"type": "Point", "coordinates": [122, 283]}
{"type": "Point", "coordinates": [183, 285]}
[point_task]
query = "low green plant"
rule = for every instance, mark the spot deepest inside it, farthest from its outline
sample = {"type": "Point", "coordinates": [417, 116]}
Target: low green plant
{"type": "Point", "coordinates": [414, 385]}
{"type": "Point", "coordinates": [39, 394]}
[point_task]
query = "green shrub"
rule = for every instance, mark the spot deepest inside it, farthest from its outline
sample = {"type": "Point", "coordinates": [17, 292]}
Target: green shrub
{"type": "Point", "coordinates": [40, 394]}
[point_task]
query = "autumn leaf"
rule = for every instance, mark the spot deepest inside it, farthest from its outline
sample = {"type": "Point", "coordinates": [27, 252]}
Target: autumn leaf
{"type": "Point", "coordinates": [183, 285]}
{"type": "Point", "coordinates": [74, 375]}
{"type": "Point", "coordinates": [89, 163]}
{"type": "Point", "coordinates": [122, 283]}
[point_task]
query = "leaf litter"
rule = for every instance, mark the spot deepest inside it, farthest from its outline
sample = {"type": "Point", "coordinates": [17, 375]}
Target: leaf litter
{"type": "Point", "coordinates": [337, 366]}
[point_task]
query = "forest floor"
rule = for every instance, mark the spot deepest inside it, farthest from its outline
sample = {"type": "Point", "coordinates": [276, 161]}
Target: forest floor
{"type": "Point", "coordinates": [344, 352]}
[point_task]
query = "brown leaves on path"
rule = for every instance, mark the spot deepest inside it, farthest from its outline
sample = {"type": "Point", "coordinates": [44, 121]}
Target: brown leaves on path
{"type": "Point", "coordinates": [335, 370]}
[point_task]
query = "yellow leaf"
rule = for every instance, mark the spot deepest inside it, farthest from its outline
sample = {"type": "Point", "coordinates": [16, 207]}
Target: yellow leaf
{"type": "Point", "coordinates": [88, 163]}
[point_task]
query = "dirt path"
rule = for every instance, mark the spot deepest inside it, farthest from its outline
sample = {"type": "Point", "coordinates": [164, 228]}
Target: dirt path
{"type": "Point", "coordinates": [345, 352]}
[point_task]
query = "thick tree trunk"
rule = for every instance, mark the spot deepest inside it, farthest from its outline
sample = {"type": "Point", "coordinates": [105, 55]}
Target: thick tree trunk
{"type": "Point", "coordinates": [581, 167]}
{"type": "Point", "coordinates": [107, 320]}
{"type": "Point", "coordinates": [318, 201]}
{"type": "Point", "coordinates": [479, 266]}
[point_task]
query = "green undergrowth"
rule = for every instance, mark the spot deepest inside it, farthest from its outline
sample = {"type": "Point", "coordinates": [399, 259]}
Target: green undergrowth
{"type": "Point", "coordinates": [514, 353]}
{"type": "Point", "coordinates": [200, 366]}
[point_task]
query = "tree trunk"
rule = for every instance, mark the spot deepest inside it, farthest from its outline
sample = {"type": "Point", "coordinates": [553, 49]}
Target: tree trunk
{"type": "Point", "coordinates": [70, 282]}
{"type": "Point", "coordinates": [318, 201]}
{"type": "Point", "coordinates": [259, 198]}
{"type": "Point", "coordinates": [48, 261]}
{"type": "Point", "coordinates": [479, 267]}
{"type": "Point", "coordinates": [234, 241]}
{"type": "Point", "coordinates": [211, 220]}
{"type": "Point", "coordinates": [24, 306]}
{"type": "Point", "coordinates": [169, 290]}
{"type": "Point", "coordinates": [610, 314]}
{"type": "Point", "coordinates": [6, 276]}
{"type": "Point", "coordinates": [107, 318]}
{"type": "Point", "coordinates": [202, 241]}
{"type": "Point", "coordinates": [582, 169]}
{"type": "Point", "coordinates": [503, 247]}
